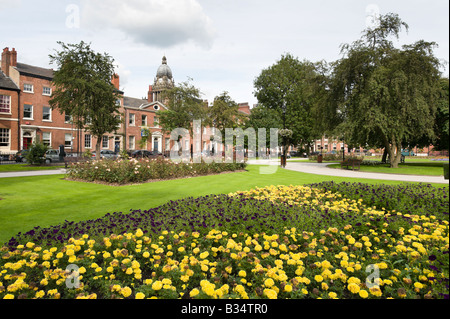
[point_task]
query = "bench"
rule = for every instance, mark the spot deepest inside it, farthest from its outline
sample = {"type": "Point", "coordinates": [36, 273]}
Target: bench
{"type": "Point", "coordinates": [74, 159]}
{"type": "Point", "coordinates": [354, 163]}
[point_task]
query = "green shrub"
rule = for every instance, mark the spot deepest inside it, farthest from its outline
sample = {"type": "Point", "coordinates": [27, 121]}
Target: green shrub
{"type": "Point", "coordinates": [36, 154]}
{"type": "Point", "coordinates": [446, 170]}
{"type": "Point", "coordinates": [125, 171]}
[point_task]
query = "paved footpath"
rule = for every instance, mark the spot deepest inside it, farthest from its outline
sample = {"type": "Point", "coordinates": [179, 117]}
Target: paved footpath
{"type": "Point", "coordinates": [33, 173]}
{"type": "Point", "coordinates": [322, 169]}
{"type": "Point", "coordinates": [304, 167]}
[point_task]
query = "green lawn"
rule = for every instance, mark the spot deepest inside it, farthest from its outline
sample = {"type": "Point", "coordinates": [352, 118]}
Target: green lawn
{"type": "Point", "coordinates": [26, 202]}
{"type": "Point", "coordinates": [414, 168]}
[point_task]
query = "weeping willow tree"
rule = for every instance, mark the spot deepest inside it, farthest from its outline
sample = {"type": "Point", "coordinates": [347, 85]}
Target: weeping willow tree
{"type": "Point", "coordinates": [382, 95]}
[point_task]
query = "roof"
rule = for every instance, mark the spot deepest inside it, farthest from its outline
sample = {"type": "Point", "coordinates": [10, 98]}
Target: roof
{"type": "Point", "coordinates": [133, 102]}
{"type": "Point", "coordinates": [6, 83]}
{"type": "Point", "coordinates": [34, 71]}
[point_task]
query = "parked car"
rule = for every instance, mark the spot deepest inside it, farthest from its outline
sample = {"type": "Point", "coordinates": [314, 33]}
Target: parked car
{"type": "Point", "coordinates": [21, 156]}
{"type": "Point", "coordinates": [146, 154]}
{"type": "Point", "coordinates": [52, 156]}
{"type": "Point", "coordinates": [107, 154]}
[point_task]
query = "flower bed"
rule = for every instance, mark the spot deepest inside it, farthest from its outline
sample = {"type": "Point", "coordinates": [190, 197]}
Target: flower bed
{"type": "Point", "coordinates": [126, 171]}
{"type": "Point", "coordinates": [273, 242]}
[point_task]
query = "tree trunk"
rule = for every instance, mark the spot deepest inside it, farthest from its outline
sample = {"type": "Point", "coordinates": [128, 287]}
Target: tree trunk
{"type": "Point", "coordinates": [97, 148]}
{"type": "Point", "coordinates": [394, 155]}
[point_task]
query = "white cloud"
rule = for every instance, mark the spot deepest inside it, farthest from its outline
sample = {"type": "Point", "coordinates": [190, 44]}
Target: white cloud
{"type": "Point", "coordinates": [159, 23]}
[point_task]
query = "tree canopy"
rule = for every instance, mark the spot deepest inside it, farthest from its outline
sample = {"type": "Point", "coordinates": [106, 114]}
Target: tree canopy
{"type": "Point", "coordinates": [84, 90]}
{"type": "Point", "coordinates": [299, 85]}
{"type": "Point", "coordinates": [383, 95]}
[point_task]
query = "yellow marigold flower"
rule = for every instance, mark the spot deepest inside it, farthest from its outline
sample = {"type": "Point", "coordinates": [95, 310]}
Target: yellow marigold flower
{"type": "Point", "coordinates": [30, 245]}
{"type": "Point", "coordinates": [318, 278]}
{"type": "Point", "coordinates": [204, 255]}
{"type": "Point", "coordinates": [363, 293]}
{"type": "Point", "coordinates": [194, 292]}
{"type": "Point", "coordinates": [126, 292]}
{"type": "Point", "coordinates": [269, 282]}
{"type": "Point", "coordinates": [8, 296]}
{"type": "Point", "coordinates": [418, 285]}
{"type": "Point", "coordinates": [354, 288]}
{"type": "Point", "coordinates": [332, 295]}
{"type": "Point", "coordinates": [140, 295]}
{"type": "Point", "coordinates": [376, 291]}
{"type": "Point", "coordinates": [157, 285]}
{"type": "Point", "coordinates": [288, 288]}
{"type": "Point", "coordinates": [270, 293]}
{"type": "Point", "coordinates": [242, 273]}
{"type": "Point", "coordinates": [354, 280]}
{"type": "Point", "coordinates": [139, 233]}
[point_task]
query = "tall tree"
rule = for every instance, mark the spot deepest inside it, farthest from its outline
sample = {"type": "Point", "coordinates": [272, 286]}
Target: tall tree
{"type": "Point", "coordinates": [300, 87]}
{"type": "Point", "coordinates": [382, 94]}
{"type": "Point", "coordinates": [224, 113]}
{"type": "Point", "coordinates": [184, 106]}
{"type": "Point", "coordinates": [84, 90]}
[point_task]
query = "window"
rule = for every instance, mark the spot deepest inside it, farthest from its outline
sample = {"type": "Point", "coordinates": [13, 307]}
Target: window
{"type": "Point", "coordinates": [167, 144]}
{"type": "Point", "coordinates": [5, 104]}
{"type": "Point", "coordinates": [156, 122]}
{"type": "Point", "coordinates": [132, 120]}
{"type": "Point", "coordinates": [4, 137]}
{"type": "Point", "coordinates": [144, 120]}
{"type": "Point", "coordinates": [68, 118]}
{"type": "Point", "coordinates": [28, 111]}
{"type": "Point", "coordinates": [105, 141]}
{"type": "Point", "coordinates": [87, 141]}
{"type": "Point", "coordinates": [46, 91]}
{"type": "Point", "coordinates": [28, 88]}
{"type": "Point", "coordinates": [68, 140]}
{"type": "Point", "coordinates": [46, 113]}
{"type": "Point", "coordinates": [131, 141]}
{"type": "Point", "coordinates": [46, 139]}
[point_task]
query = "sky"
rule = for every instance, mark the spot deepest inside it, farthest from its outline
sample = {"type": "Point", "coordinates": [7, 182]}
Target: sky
{"type": "Point", "coordinates": [218, 45]}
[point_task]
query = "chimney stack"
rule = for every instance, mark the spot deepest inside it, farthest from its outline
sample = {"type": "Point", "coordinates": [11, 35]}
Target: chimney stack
{"type": "Point", "coordinates": [13, 57]}
{"type": "Point", "coordinates": [150, 94]}
{"type": "Point", "coordinates": [6, 60]}
{"type": "Point", "coordinates": [116, 81]}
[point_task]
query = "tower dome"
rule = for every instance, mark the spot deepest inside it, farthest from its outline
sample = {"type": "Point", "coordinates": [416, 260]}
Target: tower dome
{"type": "Point", "coordinates": [164, 70]}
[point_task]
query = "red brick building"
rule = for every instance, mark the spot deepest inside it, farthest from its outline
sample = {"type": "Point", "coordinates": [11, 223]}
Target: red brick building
{"type": "Point", "coordinates": [26, 115]}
